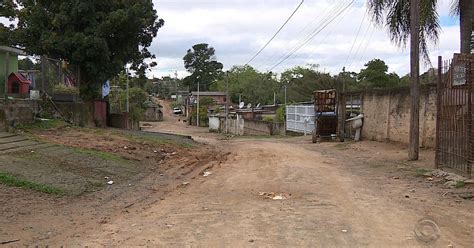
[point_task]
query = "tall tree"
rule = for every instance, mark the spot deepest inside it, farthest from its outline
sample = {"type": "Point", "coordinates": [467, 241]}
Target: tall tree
{"type": "Point", "coordinates": [375, 75]}
{"type": "Point", "coordinates": [395, 14]}
{"type": "Point", "coordinates": [465, 10]}
{"type": "Point", "coordinates": [7, 10]}
{"type": "Point", "coordinates": [418, 20]}
{"type": "Point", "coordinates": [302, 81]}
{"type": "Point", "coordinates": [99, 37]}
{"type": "Point", "coordinates": [201, 62]}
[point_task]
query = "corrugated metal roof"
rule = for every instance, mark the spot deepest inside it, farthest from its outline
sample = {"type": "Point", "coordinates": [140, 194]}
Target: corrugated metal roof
{"type": "Point", "coordinates": [208, 93]}
{"type": "Point", "coordinates": [12, 50]}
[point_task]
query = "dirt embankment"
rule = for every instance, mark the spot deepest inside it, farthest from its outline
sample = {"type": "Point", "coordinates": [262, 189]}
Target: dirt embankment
{"type": "Point", "coordinates": [141, 169]}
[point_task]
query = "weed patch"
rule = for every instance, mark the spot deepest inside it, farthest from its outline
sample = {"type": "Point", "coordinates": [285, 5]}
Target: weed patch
{"type": "Point", "coordinates": [13, 181]}
{"type": "Point", "coordinates": [420, 172]}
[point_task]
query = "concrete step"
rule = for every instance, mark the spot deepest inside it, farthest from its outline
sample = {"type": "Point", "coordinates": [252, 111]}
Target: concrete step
{"type": "Point", "coordinates": [39, 146]}
{"type": "Point", "coordinates": [26, 143]}
{"type": "Point", "coordinates": [12, 139]}
{"type": "Point", "coordinates": [6, 135]}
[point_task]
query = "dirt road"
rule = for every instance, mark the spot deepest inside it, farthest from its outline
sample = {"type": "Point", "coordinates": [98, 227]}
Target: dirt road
{"type": "Point", "coordinates": [356, 195]}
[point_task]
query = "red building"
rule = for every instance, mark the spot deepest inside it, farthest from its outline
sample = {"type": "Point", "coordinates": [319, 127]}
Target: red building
{"type": "Point", "coordinates": [18, 84]}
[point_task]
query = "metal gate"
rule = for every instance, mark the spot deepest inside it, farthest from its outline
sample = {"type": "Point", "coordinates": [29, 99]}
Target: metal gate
{"type": "Point", "coordinates": [300, 118]}
{"type": "Point", "coordinates": [454, 124]}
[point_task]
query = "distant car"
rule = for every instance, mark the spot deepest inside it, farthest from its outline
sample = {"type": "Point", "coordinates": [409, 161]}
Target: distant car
{"type": "Point", "coordinates": [177, 111]}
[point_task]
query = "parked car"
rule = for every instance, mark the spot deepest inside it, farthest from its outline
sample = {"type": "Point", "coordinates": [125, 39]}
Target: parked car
{"type": "Point", "coordinates": [177, 111]}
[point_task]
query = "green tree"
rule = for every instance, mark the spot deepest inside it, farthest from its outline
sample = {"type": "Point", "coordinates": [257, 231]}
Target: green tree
{"type": "Point", "coordinates": [201, 62]}
{"type": "Point", "coordinates": [7, 10]}
{"type": "Point", "coordinates": [251, 85]}
{"type": "Point", "coordinates": [99, 37]}
{"type": "Point", "coordinates": [302, 81]}
{"type": "Point", "coordinates": [28, 64]}
{"type": "Point", "coordinates": [375, 75]}
{"type": "Point", "coordinates": [395, 14]}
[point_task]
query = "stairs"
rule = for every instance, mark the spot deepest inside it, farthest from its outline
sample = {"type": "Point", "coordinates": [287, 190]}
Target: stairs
{"type": "Point", "coordinates": [10, 143]}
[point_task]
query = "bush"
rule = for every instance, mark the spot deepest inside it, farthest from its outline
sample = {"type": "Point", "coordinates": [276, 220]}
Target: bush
{"type": "Point", "coordinates": [63, 89]}
{"type": "Point", "coordinates": [268, 118]}
{"type": "Point", "coordinates": [280, 114]}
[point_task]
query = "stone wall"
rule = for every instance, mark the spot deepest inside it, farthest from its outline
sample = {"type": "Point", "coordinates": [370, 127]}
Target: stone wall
{"type": "Point", "coordinates": [387, 115]}
{"type": "Point", "coordinates": [17, 112]}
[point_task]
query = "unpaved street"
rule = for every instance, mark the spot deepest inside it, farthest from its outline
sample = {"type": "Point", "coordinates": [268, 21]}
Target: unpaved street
{"type": "Point", "coordinates": [356, 195]}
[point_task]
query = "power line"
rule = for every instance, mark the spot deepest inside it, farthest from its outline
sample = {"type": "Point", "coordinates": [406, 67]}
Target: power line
{"type": "Point", "coordinates": [325, 14]}
{"type": "Point", "coordinates": [278, 31]}
{"type": "Point", "coordinates": [316, 32]}
{"type": "Point", "coordinates": [355, 40]}
{"type": "Point", "coordinates": [299, 37]}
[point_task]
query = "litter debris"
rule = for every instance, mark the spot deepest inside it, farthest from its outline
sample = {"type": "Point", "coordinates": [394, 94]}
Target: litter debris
{"type": "Point", "coordinates": [32, 151]}
{"type": "Point", "coordinates": [275, 196]}
{"type": "Point", "coordinates": [207, 173]}
{"type": "Point", "coordinates": [161, 175]}
{"type": "Point", "coordinates": [396, 177]}
{"type": "Point", "coordinates": [125, 147]}
{"type": "Point", "coordinates": [185, 183]}
{"type": "Point", "coordinates": [155, 151]}
{"type": "Point", "coordinates": [344, 230]}
{"type": "Point", "coordinates": [106, 178]}
{"type": "Point", "coordinates": [110, 182]}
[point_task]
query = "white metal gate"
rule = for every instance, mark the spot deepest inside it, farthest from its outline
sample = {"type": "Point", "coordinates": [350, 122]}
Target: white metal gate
{"type": "Point", "coordinates": [300, 118]}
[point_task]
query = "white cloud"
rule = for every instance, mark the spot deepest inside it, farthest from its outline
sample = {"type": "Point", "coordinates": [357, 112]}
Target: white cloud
{"type": "Point", "coordinates": [237, 29]}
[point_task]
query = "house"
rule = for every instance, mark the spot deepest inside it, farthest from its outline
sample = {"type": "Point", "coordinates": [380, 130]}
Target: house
{"type": "Point", "coordinates": [219, 97]}
{"type": "Point", "coordinates": [8, 65]}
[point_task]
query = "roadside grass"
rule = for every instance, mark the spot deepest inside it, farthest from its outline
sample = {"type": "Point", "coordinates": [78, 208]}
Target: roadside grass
{"type": "Point", "coordinates": [99, 154]}
{"type": "Point", "coordinates": [343, 145]}
{"type": "Point", "coordinates": [44, 124]}
{"type": "Point", "coordinates": [420, 172]}
{"type": "Point", "coordinates": [459, 184]}
{"type": "Point", "coordinates": [154, 140]}
{"type": "Point", "coordinates": [12, 181]}
{"type": "Point", "coordinates": [262, 137]}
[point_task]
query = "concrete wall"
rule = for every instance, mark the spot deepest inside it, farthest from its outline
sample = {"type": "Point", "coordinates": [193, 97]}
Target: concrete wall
{"type": "Point", "coordinates": [387, 115]}
{"type": "Point", "coordinates": [17, 112]}
{"type": "Point", "coordinates": [153, 114]}
{"type": "Point", "coordinates": [252, 127]}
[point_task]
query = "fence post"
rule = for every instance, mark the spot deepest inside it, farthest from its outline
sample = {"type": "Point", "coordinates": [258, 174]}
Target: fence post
{"type": "Point", "coordinates": [438, 109]}
{"type": "Point", "coordinates": [470, 77]}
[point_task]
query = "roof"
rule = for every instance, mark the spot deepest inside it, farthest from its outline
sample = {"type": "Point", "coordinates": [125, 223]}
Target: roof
{"type": "Point", "coordinates": [208, 93]}
{"type": "Point", "coordinates": [12, 50]}
{"type": "Point", "coordinates": [20, 77]}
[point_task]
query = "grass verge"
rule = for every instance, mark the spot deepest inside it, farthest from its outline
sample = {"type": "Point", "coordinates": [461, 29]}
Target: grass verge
{"type": "Point", "coordinates": [13, 181]}
{"type": "Point", "coordinates": [44, 124]}
{"type": "Point", "coordinates": [103, 155]}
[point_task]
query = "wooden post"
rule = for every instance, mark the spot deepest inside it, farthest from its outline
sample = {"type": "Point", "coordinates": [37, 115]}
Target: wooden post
{"type": "Point", "coordinates": [7, 69]}
{"type": "Point", "coordinates": [439, 89]}
{"type": "Point", "coordinates": [341, 113]}
{"type": "Point", "coordinates": [414, 147]}
{"type": "Point", "coordinates": [43, 73]}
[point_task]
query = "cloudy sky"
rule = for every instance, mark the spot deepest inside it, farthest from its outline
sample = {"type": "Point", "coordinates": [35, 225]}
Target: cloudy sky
{"type": "Point", "coordinates": [237, 29]}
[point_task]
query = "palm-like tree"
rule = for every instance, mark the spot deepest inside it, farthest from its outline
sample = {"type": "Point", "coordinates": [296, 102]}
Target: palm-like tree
{"type": "Point", "coordinates": [395, 15]}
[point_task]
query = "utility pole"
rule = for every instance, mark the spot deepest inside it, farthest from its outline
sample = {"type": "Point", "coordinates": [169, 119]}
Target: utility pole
{"type": "Point", "coordinates": [414, 147]}
{"type": "Point", "coordinates": [197, 110]}
{"type": "Point", "coordinates": [341, 111]}
{"type": "Point", "coordinates": [127, 104]}
{"type": "Point", "coordinates": [176, 84]}
{"type": "Point", "coordinates": [226, 100]}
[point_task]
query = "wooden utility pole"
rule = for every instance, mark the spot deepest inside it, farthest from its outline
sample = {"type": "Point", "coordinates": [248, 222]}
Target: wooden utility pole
{"type": "Point", "coordinates": [414, 147]}
{"type": "Point", "coordinates": [341, 111]}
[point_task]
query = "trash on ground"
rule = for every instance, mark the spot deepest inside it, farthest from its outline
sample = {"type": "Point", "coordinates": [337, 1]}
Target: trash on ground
{"type": "Point", "coordinates": [185, 183]}
{"type": "Point", "coordinates": [275, 195]}
{"type": "Point", "coordinates": [207, 173]}
{"type": "Point", "coordinates": [344, 230]}
{"type": "Point", "coordinates": [110, 182]}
